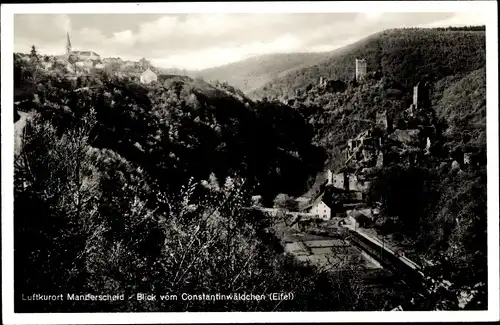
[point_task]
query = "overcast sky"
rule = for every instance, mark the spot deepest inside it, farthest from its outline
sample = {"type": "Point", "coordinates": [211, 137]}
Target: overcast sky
{"type": "Point", "coordinates": [198, 41]}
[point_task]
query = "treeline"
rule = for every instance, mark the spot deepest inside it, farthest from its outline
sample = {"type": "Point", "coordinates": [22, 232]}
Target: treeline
{"type": "Point", "coordinates": [404, 55]}
{"type": "Point", "coordinates": [464, 28]}
{"type": "Point", "coordinates": [122, 188]}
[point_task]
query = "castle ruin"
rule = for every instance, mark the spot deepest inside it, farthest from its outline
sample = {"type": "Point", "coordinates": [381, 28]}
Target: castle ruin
{"type": "Point", "coordinates": [384, 121]}
{"type": "Point", "coordinates": [360, 68]}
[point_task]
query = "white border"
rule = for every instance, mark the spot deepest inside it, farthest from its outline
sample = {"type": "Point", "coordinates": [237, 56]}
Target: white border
{"type": "Point", "coordinates": [487, 8]}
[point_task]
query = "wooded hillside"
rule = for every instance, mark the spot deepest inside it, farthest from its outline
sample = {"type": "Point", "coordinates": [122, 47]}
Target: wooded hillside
{"type": "Point", "coordinates": [405, 56]}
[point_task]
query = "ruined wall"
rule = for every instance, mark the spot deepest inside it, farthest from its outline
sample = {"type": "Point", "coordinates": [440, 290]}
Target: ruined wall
{"type": "Point", "coordinates": [339, 181]}
{"type": "Point", "coordinates": [420, 95]}
{"type": "Point", "coordinates": [353, 182]}
{"type": "Point", "coordinates": [329, 177]}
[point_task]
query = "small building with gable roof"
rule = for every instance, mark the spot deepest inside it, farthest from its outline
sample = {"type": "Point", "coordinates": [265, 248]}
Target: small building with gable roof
{"type": "Point", "coordinates": [321, 208]}
{"type": "Point", "coordinates": [148, 76]}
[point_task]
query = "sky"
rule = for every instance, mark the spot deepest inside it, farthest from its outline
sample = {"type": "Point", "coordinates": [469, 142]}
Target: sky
{"type": "Point", "coordinates": [199, 41]}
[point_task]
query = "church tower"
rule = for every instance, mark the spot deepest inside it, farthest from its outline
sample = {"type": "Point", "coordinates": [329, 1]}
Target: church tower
{"type": "Point", "coordinates": [68, 44]}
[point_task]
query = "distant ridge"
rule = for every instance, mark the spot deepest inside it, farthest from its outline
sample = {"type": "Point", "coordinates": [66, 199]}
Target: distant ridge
{"type": "Point", "coordinates": [254, 72]}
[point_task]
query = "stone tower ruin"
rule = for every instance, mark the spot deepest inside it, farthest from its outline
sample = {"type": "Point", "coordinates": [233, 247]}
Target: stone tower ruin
{"type": "Point", "coordinates": [360, 68]}
{"type": "Point", "coordinates": [420, 95]}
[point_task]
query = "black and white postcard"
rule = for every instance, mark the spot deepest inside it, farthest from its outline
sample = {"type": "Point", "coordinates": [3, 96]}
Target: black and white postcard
{"type": "Point", "coordinates": [250, 162]}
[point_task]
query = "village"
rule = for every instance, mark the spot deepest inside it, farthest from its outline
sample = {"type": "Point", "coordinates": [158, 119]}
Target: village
{"type": "Point", "coordinates": [342, 197]}
{"type": "Point", "coordinates": [314, 225]}
{"type": "Point", "coordinates": [77, 63]}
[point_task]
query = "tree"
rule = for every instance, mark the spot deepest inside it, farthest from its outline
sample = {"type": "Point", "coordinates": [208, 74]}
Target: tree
{"type": "Point", "coordinates": [72, 59]}
{"type": "Point", "coordinates": [33, 54]}
{"type": "Point", "coordinates": [283, 201]}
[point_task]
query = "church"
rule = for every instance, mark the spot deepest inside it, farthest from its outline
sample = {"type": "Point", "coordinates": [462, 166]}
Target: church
{"type": "Point", "coordinates": [81, 56]}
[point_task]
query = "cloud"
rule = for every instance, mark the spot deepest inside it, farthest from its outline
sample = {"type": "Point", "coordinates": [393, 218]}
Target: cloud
{"type": "Point", "coordinates": [62, 22]}
{"type": "Point", "coordinates": [223, 55]}
{"type": "Point", "coordinates": [91, 35]}
{"type": "Point", "coordinates": [373, 16]}
{"type": "Point", "coordinates": [125, 37]}
{"type": "Point", "coordinates": [459, 19]}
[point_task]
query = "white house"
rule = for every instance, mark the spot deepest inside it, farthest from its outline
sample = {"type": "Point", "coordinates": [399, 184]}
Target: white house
{"type": "Point", "coordinates": [47, 65]}
{"type": "Point", "coordinates": [322, 210]}
{"type": "Point", "coordinates": [319, 208]}
{"type": "Point", "coordinates": [87, 64]}
{"type": "Point", "coordinates": [148, 76]}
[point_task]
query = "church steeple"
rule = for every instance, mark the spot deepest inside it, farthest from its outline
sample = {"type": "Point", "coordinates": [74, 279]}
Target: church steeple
{"type": "Point", "coordinates": [68, 44]}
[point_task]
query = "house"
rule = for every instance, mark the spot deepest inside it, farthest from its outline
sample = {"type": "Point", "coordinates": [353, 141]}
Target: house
{"type": "Point", "coordinates": [341, 181]}
{"type": "Point", "coordinates": [321, 210]}
{"type": "Point", "coordinates": [129, 64]}
{"type": "Point", "coordinates": [359, 217]}
{"type": "Point", "coordinates": [47, 65]}
{"type": "Point", "coordinates": [87, 64]}
{"type": "Point", "coordinates": [320, 207]}
{"type": "Point", "coordinates": [112, 60]}
{"type": "Point", "coordinates": [148, 76]}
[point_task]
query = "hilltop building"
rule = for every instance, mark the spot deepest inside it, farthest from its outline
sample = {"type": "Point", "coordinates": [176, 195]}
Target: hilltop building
{"type": "Point", "coordinates": [86, 55]}
{"type": "Point", "coordinates": [148, 76]}
{"type": "Point", "coordinates": [81, 55]}
{"type": "Point", "coordinates": [145, 64]}
{"type": "Point", "coordinates": [360, 68]}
